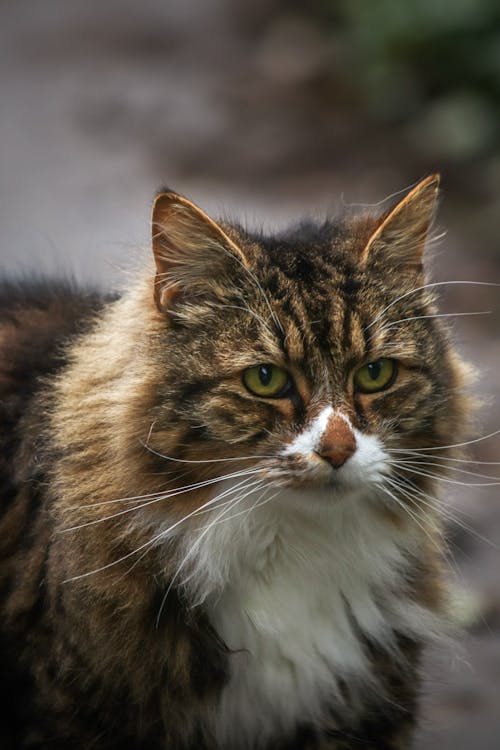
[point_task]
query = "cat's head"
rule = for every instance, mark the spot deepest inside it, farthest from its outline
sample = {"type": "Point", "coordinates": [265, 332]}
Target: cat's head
{"type": "Point", "coordinates": [311, 356]}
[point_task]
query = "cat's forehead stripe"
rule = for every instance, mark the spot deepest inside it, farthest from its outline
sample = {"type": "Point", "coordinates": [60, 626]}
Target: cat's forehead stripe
{"type": "Point", "coordinates": [326, 312]}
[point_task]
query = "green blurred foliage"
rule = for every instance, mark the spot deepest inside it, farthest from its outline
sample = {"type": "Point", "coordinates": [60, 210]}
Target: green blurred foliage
{"type": "Point", "coordinates": [432, 66]}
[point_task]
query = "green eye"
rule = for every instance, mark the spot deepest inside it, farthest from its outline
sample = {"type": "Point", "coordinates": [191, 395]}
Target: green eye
{"type": "Point", "coordinates": [267, 381]}
{"type": "Point", "coordinates": [376, 376]}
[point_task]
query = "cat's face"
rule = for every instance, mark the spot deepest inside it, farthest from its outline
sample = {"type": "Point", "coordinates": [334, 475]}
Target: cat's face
{"type": "Point", "coordinates": [312, 355]}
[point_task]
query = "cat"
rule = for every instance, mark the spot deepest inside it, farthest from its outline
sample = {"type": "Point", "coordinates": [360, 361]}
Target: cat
{"type": "Point", "coordinates": [214, 532]}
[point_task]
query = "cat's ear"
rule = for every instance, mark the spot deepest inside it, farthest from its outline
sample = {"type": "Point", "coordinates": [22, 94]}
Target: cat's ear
{"type": "Point", "coordinates": [192, 253]}
{"type": "Point", "coordinates": [401, 234]}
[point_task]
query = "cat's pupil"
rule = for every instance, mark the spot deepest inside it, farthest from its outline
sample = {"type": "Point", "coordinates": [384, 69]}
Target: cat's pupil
{"type": "Point", "coordinates": [374, 370]}
{"type": "Point", "coordinates": [265, 374]}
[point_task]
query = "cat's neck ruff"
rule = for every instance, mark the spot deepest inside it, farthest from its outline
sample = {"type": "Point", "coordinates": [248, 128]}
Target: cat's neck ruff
{"type": "Point", "coordinates": [293, 595]}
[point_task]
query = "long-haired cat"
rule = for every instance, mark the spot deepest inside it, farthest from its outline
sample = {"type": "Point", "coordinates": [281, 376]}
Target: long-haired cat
{"type": "Point", "coordinates": [213, 532]}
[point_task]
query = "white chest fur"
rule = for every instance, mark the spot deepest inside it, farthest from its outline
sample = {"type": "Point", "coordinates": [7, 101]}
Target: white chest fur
{"type": "Point", "coordinates": [289, 593]}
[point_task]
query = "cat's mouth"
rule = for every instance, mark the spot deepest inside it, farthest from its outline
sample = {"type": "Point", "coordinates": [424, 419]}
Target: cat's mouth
{"type": "Point", "coordinates": [366, 465]}
{"type": "Point", "coordinates": [307, 472]}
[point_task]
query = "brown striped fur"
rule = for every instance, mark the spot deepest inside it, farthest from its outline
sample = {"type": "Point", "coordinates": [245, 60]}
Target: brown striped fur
{"type": "Point", "coordinates": [96, 650]}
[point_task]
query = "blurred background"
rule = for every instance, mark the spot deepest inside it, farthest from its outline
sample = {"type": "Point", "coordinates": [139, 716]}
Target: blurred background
{"type": "Point", "coordinates": [268, 110]}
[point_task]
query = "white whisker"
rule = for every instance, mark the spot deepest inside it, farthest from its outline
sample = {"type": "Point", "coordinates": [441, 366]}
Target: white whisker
{"type": "Point", "coordinates": [416, 453]}
{"type": "Point", "coordinates": [205, 508]}
{"type": "Point", "coordinates": [415, 464]}
{"type": "Point", "coordinates": [413, 516]}
{"type": "Point", "coordinates": [446, 549]}
{"type": "Point", "coordinates": [440, 478]}
{"type": "Point", "coordinates": [393, 323]}
{"type": "Point", "coordinates": [251, 312]}
{"type": "Point", "coordinates": [439, 508]}
{"type": "Point", "coordinates": [257, 283]}
{"type": "Point", "coordinates": [445, 447]}
{"type": "Point", "coordinates": [201, 460]}
{"type": "Point", "coordinates": [197, 543]}
{"type": "Point", "coordinates": [248, 510]}
{"type": "Point", "coordinates": [129, 510]}
{"type": "Point", "coordinates": [149, 544]}
{"type": "Point", "coordinates": [421, 288]}
{"type": "Point", "coordinates": [177, 490]}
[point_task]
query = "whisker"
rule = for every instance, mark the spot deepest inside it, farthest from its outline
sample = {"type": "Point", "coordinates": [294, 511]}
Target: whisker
{"type": "Point", "coordinates": [402, 487]}
{"type": "Point", "coordinates": [438, 507]}
{"type": "Point", "coordinates": [193, 548]}
{"type": "Point", "coordinates": [379, 203]}
{"type": "Point", "coordinates": [127, 510]}
{"type": "Point", "coordinates": [423, 464]}
{"type": "Point", "coordinates": [430, 475]}
{"type": "Point", "coordinates": [247, 510]}
{"type": "Point", "coordinates": [446, 549]}
{"type": "Point", "coordinates": [421, 288]}
{"type": "Point", "coordinates": [413, 516]}
{"type": "Point", "coordinates": [257, 283]}
{"type": "Point", "coordinates": [251, 312]}
{"type": "Point", "coordinates": [445, 447]}
{"type": "Point", "coordinates": [450, 518]}
{"type": "Point", "coordinates": [393, 323]}
{"type": "Point", "coordinates": [201, 460]}
{"type": "Point", "coordinates": [176, 490]}
{"type": "Point", "coordinates": [149, 543]}
{"type": "Point", "coordinates": [205, 508]}
{"type": "Point", "coordinates": [416, 453]}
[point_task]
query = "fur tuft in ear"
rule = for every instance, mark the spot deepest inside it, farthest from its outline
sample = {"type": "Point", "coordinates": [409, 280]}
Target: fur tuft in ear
{"type": "Point", "coordinates": [192, 253]}
{"type": "Point", "coordinates": [401, 235]}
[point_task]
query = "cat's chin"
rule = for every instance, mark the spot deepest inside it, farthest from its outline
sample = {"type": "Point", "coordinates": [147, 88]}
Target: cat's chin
{"type": "Point", "coordinates": [323, 493]}
{"type": "Point", "coordinates": [323, 485]}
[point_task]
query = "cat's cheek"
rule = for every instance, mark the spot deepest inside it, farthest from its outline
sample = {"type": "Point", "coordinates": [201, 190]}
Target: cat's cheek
{"type": "Point", "coordinates": [369, 463]}
{"type": "Point", "coordinates": [235, 423]}
{"type": "Point", "coordinates": [300, 472]}
{"type": "Point", "coordinates": [411, 396]}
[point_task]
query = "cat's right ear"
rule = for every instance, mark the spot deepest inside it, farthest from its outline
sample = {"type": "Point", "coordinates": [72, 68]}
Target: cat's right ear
{"type": "Point", "coordinates": [192, 253]}
{"type": "Point", "coordinates": [400, 237]}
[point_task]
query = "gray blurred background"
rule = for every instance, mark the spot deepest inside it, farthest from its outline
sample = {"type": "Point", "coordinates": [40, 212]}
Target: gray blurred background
{"type": "Point", "coordinates": [266, 111]}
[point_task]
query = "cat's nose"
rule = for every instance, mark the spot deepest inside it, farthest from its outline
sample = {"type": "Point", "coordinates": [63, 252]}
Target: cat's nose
{"type": "Point", "coordinates": [338, 442]}
{"type": "Point", "coordinates": [336, 455]}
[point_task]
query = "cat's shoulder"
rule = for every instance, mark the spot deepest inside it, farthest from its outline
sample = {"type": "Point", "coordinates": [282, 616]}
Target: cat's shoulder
{"type": "Point", "coordinates": [37, 317]}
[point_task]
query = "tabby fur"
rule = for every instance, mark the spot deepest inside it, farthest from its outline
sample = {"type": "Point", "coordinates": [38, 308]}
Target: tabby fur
{"type": "Point", "coordinates": [131, 619]}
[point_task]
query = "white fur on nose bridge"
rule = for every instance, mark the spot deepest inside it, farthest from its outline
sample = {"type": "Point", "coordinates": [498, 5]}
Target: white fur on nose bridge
{"type": "Point", "coordinates": [309, 439]}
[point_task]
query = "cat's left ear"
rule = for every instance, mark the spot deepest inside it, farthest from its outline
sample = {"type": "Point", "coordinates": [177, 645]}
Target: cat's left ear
{"type": "Point", "coordinates": [193, 254]}
{"type": "Point", "coordinates": [402, 233]}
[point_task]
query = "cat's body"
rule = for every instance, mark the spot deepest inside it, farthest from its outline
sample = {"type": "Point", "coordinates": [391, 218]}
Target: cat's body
{"type": "Point", "coordinates": [191, 561]}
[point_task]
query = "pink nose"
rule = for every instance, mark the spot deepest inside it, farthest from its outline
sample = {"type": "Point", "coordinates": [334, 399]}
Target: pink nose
{"type": "Point", "coordinates": [337, 443]}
